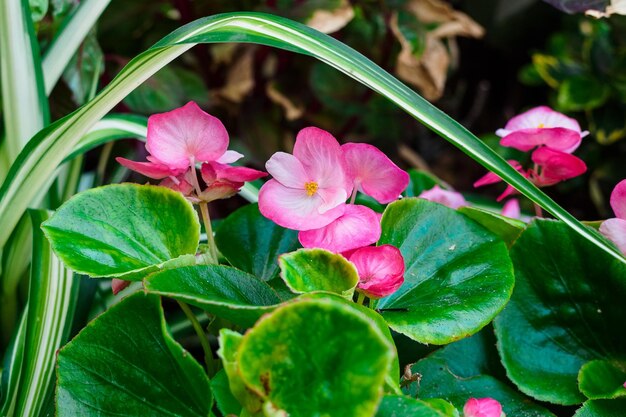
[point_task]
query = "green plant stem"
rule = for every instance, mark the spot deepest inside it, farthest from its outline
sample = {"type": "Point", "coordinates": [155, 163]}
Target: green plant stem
{"type": "Point", "coordinates": [209, 360]}
{"type": "Point", "coordinates": [360, 299]}
{"type": "Point", "coordinates": [204, 210]}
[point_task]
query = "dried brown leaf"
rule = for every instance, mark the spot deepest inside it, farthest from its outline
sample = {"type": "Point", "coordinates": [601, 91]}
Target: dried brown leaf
{"type": "Point", "coordinates": [330, 21]}
{"type": "Point", "coordinates": [292, 110]}
{"type": "Point", "coordinates": [240, 77]}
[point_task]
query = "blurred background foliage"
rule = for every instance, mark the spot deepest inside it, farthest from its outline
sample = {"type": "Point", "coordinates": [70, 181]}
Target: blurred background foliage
{"type": "Point", "coordinates": [480, 61]}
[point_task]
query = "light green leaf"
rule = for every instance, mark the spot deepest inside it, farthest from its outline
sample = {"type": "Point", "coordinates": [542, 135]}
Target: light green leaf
{"type": "Point", "coordinates": [400, 406]}
{"type": "Point", "coordinates": [308, 270]}
{"type": "Point", "coordinates": [458, 274]}
{"type": "Point", "coordinates": [602, 408]}
{"type": "Point", "coordinates": [135, 368]}
{"type": "Point", "coordinates": [506, 228]}
{"type": "Point", "coordinates": [603, 379]}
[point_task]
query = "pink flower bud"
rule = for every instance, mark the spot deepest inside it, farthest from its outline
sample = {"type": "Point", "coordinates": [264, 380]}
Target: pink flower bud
{"type": "Point", "coordinates": [380, 268]}
{"type": "Point", "coordinates": [482, 407]}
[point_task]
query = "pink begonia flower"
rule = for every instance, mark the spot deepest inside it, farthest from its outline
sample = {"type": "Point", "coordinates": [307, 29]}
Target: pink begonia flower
{"type": "Point", "coordinates": [482, 407]}
{"type": "Point", "coordinates": [380, 268]}
{"type": "Point", "coordinates": [511, 209]}
{"type": "Point", "coordinates": [310, 187]}
{"type": "Point", "coordinates": [118, 285]}
{"type": "Point", "coordinates": [358, 226]}
{"type": "Point", "coordinates": [491, 178]}
{"type": "Point", "coordinates": [448, 198]}
{"type": "Point", "coordinates": [554, 166]}
{"type": "Point", "coordinates": [374, 174]}
{"type": "Point", "coordinates": [615, 229]}
{"type": "Point", "coordinates": [542, 126]}
{"type": "Point", "coordinates": [224, 181]}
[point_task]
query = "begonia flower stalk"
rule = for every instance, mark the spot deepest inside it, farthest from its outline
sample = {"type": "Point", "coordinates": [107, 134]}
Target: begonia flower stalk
{"type": "Point", "coordinates": [615, 229]}
{"type": "Point", "coordinates": [358, 226]}
{"type": "Point", "coordinates": [309, 188]}
{"type": "Point", "coordinates": [373, 173]}
{"type": "Point", "coordinates": [448, 198]}
{"type": "Point", "coordinates": [380, 268]}
{"type": "Point", "coordinates": [542, 126]}
{"type": "Point", "coordinates": [482, 407]}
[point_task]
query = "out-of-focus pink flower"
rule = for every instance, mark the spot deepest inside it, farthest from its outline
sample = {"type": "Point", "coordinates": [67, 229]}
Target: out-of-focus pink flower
{"type": "Point", "coordinates": [511, 209]}
{"type": "Point", "coordinates": [491, 178]}
{"type": "Point", "coordinates": [448, 198]}
{"type": "Point", "coordinates": [118, 285]}
{"type": "Point", "coordinates": [358, 226]}
{"type": "Point", "coordinates": [615, 229]}
{"type": "Point", "coordinates": [380, 268]}
{"type": "Point", "coordinates": [374, 174]}
{"type": "Point", "coordinates": [482, 407]}
{"type": "Point", "coordinates": [310, 187]}
{"type": "Point", "coordinates": [554, 166]}
{"type": "Point", "coordinates": [542, 126]}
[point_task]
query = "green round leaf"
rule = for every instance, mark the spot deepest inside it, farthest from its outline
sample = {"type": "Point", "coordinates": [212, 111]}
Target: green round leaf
{"type": "Point", "coordinates": [469, 368]}
{"type": "Point", "coordinates": [458, 274]}
{"type": "Point", "coordinates": [316, 357]}
{"type": "Point", "coordinates": [307, 270]}
{"type": "Point", "coordinates": [120, 229]}
{"type": "Point", "coordinates": [562, 313]}
{"type": "Point", "coordinates": [253, 243]}
{"type": "Point", "coordinates": [582, 93]}
{"type": "Point", "coordinates": [603, 379]}
{"type": "Point", "coordinates": [226, 402]}
{"type": "Point", "coordinates": [602, 408]}
{"type": "Point", "coordinates": [399, 406]}
{"type": "Point", "coordinates": [125, 363]}
{"type": "Point", "coordinates": [221, 290]}
{"type": "Point", "coordinates": [506, 228]}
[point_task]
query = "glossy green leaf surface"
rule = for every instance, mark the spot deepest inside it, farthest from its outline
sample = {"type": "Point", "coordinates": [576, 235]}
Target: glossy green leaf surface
{"type": "Point", "coordinates": [316, 357]}
{"type": "Point", "coordinates": [467, 369]}
{"type": "Point", "coordinates": [563, 312]}
{"type": "Point", "coordinates": [602, 379]}
{"type": "Point", "coordinates": [602, 408]}
{"type": "Point", "coordinates": [125, 363]}
{"type": "Point", "coordinates": [253, 243]}
{"type": "Point", "coordinates": [400, 406]}
{"type": "Point", "coordinates": [308, 270]}
{"type": "Point", "coordinates": [506, 228]}
{"type": "Point", "coordinates": [458, 274]}
{"type": "Point", "coordinates": [221, 290]}
{"type": "Point", "coordinates": [121, 229]}
{"type": "Point", "coordinates": [226, 402]}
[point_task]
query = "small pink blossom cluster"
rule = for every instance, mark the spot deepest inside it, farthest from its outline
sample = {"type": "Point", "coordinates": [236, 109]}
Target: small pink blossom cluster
{"type": "Point", "coordinates": [553, 136]}
{"type": "Point", "coordinates": [309, 191]}
{"type": "Point", "coordinates": [482, 407]}
{"type": "Point", "coordinates": [455, 200]}
{"type": "Point", "coordinates": [177, 141]}
{"type": "Point", "coordinates": [615, 229]}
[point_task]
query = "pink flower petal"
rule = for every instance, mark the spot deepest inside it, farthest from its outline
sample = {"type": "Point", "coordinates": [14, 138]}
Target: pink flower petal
{"type": "Point", "coordinates": [229, 157]}
{"type": "Point", "coordinates": [288, 170]}
{"type": "Point", "coordinates": [180, 185]}
{"type": "Point", "coordinates": [331, 198]}
{"type": "Point", "coordinates": [374, 173]}
{"type": "Point", "coordinates": [219, 190]}
{"type": "Point", "coordinates": [491, 178]}
{"type": "Point", "coordinates": [187, 132]}
{"type": "Point", "coordinates": [508, 191]}
{"type": "Point", "coordinates": [118, 285]}
{"type": "Point", "coordinates": [235, 174]}
{"type": "Point", "coordinates": [322, 159]}
{"type": "Point", "coordinates": [381, 270]}
{"type": "Point", "coordinates": [482, 407]}
{"type": "Point", "coordinates": [615, 231]}
{"type": "Point", "coordinates": [294, 208]}
{"type": "Point", "coordinates": [556, 166]}
{"type": "Point", "coordinates": [149, 169]}
{"type": "Point", "coordinates": [558, 138]}
{"type": "Point", "coordinates": [450, 199]}
{"type": "Point", "coordinates": [358, 226]}
{"type": "Point", "coordinates": [618, 200]}
{"type": "Point", "coordinates": [540, 117]}
{"type": "Point", "coordinates": [511, 209]}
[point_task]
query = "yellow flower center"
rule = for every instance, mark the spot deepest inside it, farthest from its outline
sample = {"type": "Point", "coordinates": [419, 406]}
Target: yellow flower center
{"type": "Point", "coordinates": [541, 126]}
{"type": "Point", "coordinates": [311, 188]}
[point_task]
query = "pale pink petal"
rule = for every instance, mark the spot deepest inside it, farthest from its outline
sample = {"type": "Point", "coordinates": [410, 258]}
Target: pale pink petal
{"type": "Point", "coordinates": [615, 231]}
{"type": "Point", "coordinates": [558, 138]}
{"type": "Point", "coordinates": [288, 170]}
{"type": "Point", "coordinates": [149, 169]}
{"type": "Point", "coordinates": [331, 198]}
{"type": "Point", "coordinates": [539, 117]}
{"type": "Point", "coordinates": [187, 132]}
{"type": "Point", "coordinates": [358, 226]}
{"type": "Point", "coordinates": [294, 208]}
{"type": "Point", "coordinates": [179, 185]}
{"type": "Point", "coordinates": [229, 157]}
{"type": "Point", "coordinates": [118, 285]}
{"type": "Point", "coordinates": [618, 200]}
{"type": "Point", "coordinates": [450, 199]}
{"type": "Point", "coordinates": [511, 209]}
{"type": "Point", "coordinates": [374, 173]}
{"type": "Point", "coordinates": [482, 407]}
{"type": "Point", "coordinates": [322, 158]}
{"type": "Point", "coordinates": [555, 166]}
{"type": "Point", "coordinates": [380, 268]}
